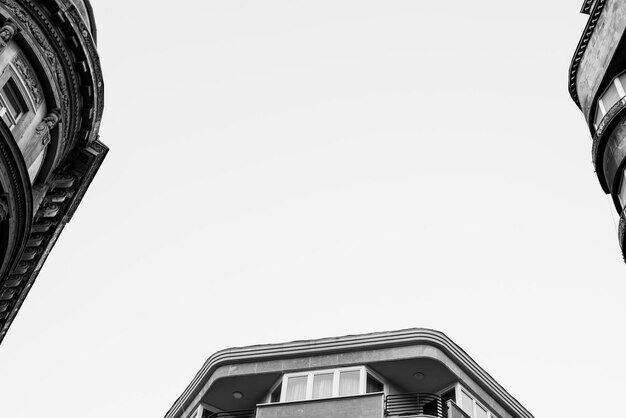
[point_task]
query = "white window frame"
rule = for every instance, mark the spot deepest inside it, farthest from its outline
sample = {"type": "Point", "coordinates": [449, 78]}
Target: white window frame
{"type": "Point", "coordinates": [621, 91]}
{"type": "Point", "coordinates": [363, 372]}
{"type": "Point", "coordinates": [460, 389]}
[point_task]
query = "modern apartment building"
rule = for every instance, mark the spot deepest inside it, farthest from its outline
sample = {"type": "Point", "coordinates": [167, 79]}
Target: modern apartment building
{"type": "Point", "coordinates": [597, 84]}
{"type": "Point", "coordinates": [408, 373]}
{"type": "Point", "coordinates": [51, 102]}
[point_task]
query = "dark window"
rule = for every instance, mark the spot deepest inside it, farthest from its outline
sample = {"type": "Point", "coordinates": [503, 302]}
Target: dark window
{"type": "Point", "coordinates": [12, 105]}
{"type": "Point", "coordinates": [373, 385]}
{"type": "Point", "coordinates": [276, 394]}
{"type": "Point", "coordinates": [448, 396]}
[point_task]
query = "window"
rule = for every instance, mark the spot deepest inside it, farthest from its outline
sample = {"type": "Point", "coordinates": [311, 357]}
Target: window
{"type": "Point", "coordinates": [373, 385]}
{"type": "Point", "coordinates": [613, 93]}
{"type": "Point", "coordinates": [322, 384]}
{"type": "Point", "coordinates": [296, 388]}
{"type": "Point", "coordinates": [12, 105]}
{"type": "Point", "coordinates": [275, 396]}
{"type": "Point", "coordinates": [473, 408]}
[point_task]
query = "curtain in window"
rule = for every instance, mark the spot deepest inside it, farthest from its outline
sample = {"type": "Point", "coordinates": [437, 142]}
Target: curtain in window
{"type": "Point", "coordinates": [296, 388]}
{"type": "Point", "coordinates": [322, 385]}
{"type": "Point", "coordinates": [349, 383]}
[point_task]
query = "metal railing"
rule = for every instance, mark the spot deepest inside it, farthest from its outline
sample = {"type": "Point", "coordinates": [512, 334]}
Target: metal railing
{"type": "Point", "coordinates": [456, 411]}
{"type": "Point", "coordinates": [415, 404]}
{"type": "Point", "coordinates": [247, 413]}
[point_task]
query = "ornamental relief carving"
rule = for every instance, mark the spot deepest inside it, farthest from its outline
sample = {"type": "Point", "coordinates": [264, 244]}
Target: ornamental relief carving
{"type": "Point", "coordinates": [29, 78]}
{"type": "Point", "coordinates": [7, 31]}
{"type": "Point", "coordinates": [47, 218]}
{"type": "Point", "coordinates": [60, 64]}
{"type": "Point", "coordinates": [42, 131]}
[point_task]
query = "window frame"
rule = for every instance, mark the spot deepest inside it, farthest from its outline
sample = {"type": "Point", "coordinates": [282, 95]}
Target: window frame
{"type": "Point", "coordinates": [460, 390]}
{"type": "Point", "coordinates": [600, 107]}
{"type": "Point", "coordinates": [10, 74]}
{"type": "Point", "coordinates": [364, 371]}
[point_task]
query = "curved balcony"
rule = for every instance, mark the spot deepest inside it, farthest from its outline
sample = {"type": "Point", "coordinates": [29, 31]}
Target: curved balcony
{"type": "Point", "coordinates": [415, 405]}
{"type": "Point", "coordinates": [606, 165]}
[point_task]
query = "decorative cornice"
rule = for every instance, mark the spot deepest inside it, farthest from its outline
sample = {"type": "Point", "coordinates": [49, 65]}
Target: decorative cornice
{"type": "Point", "coordinates": [19, 195]}
{"type": "Point", "coordinates": [351, 343]}
{"type": "Point", "coordinates": [93, 93]}
{"type": "Point", "coordinates": [586, 9]}
{"type": "Point", "coordinates": [65, 190]}
{"type": "Point", "coordinates": [582, 47]}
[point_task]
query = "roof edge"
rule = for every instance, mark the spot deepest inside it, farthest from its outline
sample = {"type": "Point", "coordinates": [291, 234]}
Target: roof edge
{"type": "Point", "coordinates": [594, 15]}
{"type": "Point", "coordinates": [342, 344]}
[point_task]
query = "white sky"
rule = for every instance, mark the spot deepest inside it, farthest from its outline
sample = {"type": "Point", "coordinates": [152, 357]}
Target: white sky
{"type": "Point", "coordinates": [286, 170]}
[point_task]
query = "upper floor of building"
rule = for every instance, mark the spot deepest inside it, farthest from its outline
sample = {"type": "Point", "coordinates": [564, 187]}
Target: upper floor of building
{"type": "Point", "coordinates": [51, 105]}
{"type": "Point", "coordinates": [407, 373]}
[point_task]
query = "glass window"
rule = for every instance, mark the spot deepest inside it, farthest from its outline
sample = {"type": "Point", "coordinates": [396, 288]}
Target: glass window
{"type": "Point", "coordinates": [610, 97]}
{"type": "Point", "coordinates": [296, 388]}
{"type": "Point", "coordinates": [622, 80]}
{"type": "Point", "coordinates": [349, 383]}
{"type": "Point", "coordinates": [11, 103]}
{"type": "Point", "coordinates": [599, 116]}
{"type": "Point", "coordinates": [319, 384]}
{"type": "Point", "coordinates": [467, 404]}
{"type": "Point", "coordinates": [449, 396]}
{"type": "Point", "coordinates": [275, 397]}
{"type": "Point", "coordinates": [322, 385]}
{"type": "Point", "coordinates": [373, 385]}
{"type": "Point", "coordinates": [480, 411]}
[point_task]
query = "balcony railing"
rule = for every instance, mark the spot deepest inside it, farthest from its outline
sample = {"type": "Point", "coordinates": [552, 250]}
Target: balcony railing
{"type": "Point", "coordinates": [415, 405]}
{"type": "Point", "coordinates": [248, 413]}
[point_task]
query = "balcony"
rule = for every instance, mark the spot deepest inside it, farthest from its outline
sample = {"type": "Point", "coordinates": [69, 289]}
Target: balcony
{"type": "Point", "coordinates": [415, 405]}
{"type": "Point", "coordinates": [248, 413]}
{"type": "Point", "coordinates": [364, 406]}
{"type": "Point", "coordinates": [405, 405]}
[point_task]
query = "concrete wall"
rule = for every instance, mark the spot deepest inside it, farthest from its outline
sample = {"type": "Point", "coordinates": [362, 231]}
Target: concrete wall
{"type": "Point", "coordinates": [599, 52]}
{"type": "Point", "coordinates": [364, 406]}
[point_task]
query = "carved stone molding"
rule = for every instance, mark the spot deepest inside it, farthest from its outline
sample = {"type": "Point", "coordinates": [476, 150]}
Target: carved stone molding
{"type": "Point", "coordinates": [42, 131]}
{"type": "Point", "coordinates": [63, 192]}
{"type": "Point", "coordinates": [7, 31]}
{"type": "Point", "coordinates": [29, 78]}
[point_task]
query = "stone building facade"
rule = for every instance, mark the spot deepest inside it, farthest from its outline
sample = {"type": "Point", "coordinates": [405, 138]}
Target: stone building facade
{"type": "Point", "coordinates": [597, 84]}
{"type": "Point", "coordinates": [51, 103]}
{"type": "Point", "coordinates": [407, 373]}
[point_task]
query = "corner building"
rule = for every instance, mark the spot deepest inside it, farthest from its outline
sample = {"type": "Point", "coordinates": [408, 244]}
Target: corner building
{"type": "Point", "coordinates": [51, 102]}
{"type": "Point", "coordinates": [408, 373]}
{"type": "Point", "coordinates": [597, 84]}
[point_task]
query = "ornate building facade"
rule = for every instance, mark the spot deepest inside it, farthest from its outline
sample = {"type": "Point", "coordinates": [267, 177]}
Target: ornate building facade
{"type": "Point", "coordinates": [51, 103]}
{"type": "Point", "coordinates": [408, 373]}
{"type": "Point", "coordinates": [597, 84]}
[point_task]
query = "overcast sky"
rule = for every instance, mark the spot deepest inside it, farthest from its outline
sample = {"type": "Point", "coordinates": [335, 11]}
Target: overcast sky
{"type": "Point", "coordinates": [285, 170]}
